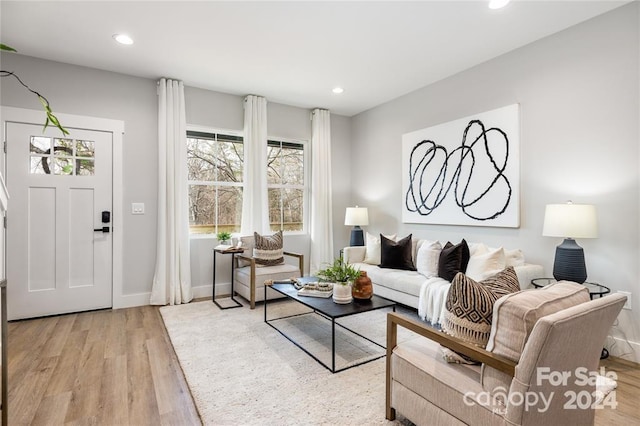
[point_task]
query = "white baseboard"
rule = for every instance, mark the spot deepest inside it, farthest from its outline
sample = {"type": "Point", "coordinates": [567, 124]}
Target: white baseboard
{"type": "Point", "coordinates": [205, 290]}
{"type": "Point", "coordinates": [142, 299]}
{"type": "Point", "coordinates": [131, 300]}
{"type": "Point", "coordinates": [622, 348]}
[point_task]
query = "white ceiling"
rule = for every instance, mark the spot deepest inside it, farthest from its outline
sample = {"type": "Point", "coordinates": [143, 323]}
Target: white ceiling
{"type": "Point", "coordinates": [289, 52]}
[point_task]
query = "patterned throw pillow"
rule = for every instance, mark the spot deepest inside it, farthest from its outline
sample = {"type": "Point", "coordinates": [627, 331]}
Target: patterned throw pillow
{"type": "Point", "coordinates": [268, 249]}
{"type": "Point", "coordinates": [469, 308]}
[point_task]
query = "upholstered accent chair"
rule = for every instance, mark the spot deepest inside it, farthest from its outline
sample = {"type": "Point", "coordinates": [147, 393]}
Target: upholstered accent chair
{"type": "Point", "coordinates": [533, 333]}
{"type": "Point", "coordinates": [251, 275]}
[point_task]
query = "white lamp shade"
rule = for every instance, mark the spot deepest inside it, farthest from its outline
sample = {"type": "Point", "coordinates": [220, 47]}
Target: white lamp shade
{"type": "Point", "coordinates": [570, 221]}
{"type": "Point", "coordinates": [356, 216]}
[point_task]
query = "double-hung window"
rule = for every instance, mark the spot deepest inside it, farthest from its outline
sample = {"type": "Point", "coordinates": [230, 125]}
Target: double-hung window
{"type": "Point", "coordinates": [215, 162]}
{"type": "Point", "coordinates": [286, 183]}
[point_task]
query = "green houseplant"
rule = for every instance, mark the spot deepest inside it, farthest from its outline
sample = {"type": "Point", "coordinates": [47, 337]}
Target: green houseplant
{"type": "Point", "coordinates": [50, 117]}
{"type": "Point", "coordinates": [339, 272]}
{"type": "Point", "coordinates": [342, 274]}
{"type": "Point", "coordinates": [223, 237]}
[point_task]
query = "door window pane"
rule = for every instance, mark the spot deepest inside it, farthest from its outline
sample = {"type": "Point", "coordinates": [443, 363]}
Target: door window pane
{"type": "Point", "coordinates": [69, 157]}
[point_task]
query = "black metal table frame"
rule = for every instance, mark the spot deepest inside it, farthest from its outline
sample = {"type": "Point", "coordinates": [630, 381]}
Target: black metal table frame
{"type": "Point", "coordinates": [213, 291]}
{"type": "Point", "coordinates": [333, 331]}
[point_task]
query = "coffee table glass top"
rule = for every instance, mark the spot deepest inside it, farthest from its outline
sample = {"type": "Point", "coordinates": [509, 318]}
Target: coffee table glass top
{"type": "Point", "coordinates": [331, 309]}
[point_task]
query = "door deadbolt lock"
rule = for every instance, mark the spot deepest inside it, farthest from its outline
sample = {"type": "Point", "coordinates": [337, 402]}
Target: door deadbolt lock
{"type": "Point", "coordinates": [106, 216]}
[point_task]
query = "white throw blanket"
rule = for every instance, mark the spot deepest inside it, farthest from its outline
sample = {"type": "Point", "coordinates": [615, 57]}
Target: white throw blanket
{"type": "Point", "coordinates": [432, 299]}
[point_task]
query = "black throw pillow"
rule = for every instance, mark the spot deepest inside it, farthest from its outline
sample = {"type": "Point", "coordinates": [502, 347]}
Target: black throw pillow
{"type": "Point", "coordinates": [396, 254]}
{"type": "Point", "coordinates": [453, 259]}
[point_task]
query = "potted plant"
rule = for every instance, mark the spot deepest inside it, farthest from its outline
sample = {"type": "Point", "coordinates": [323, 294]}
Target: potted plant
{"type": "Point", "coordinates": [342, 274]}
{"type": "Point", "coordinates": [223, 237]}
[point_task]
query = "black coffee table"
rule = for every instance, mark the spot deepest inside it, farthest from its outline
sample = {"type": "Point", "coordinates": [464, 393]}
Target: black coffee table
{"type": "Point", "coordinates": [331, 311]}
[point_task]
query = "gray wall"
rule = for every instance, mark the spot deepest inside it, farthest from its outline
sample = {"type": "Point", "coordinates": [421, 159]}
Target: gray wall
{"type": "Point", "coordinates": [85, 91]}
{"type": "Point", "coordinates": [578, 91]}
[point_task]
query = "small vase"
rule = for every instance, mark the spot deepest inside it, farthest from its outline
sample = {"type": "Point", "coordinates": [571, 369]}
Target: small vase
{"type": "Point", "coordinates": [342, 293]}
{"type": "Point", "coordinates": [362, 287]}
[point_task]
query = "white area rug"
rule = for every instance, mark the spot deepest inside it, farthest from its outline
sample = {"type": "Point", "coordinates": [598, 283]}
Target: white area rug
{"type": "Point", "coordinates": [242, 372]}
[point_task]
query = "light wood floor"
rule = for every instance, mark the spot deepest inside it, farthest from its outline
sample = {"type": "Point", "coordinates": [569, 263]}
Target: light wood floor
{"type": "Point", "coordinates": [117, 367]}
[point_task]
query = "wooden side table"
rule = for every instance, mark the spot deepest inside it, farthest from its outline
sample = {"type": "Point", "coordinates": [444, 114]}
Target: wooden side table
{"type": "Point", "coordinates": [232, 251]}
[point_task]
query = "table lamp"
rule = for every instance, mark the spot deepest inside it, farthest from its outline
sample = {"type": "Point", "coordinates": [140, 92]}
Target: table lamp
{"type": "Point", "coordinates": [356, 217]}
{"type": "Point", "coordinates": [570, 221]}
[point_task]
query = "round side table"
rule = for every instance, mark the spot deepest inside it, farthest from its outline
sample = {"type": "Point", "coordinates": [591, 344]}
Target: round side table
{"type": "Point", "coordinates": [595, 290]}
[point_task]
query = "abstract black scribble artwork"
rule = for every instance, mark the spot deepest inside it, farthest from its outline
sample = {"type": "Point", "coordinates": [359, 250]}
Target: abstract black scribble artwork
{"type": "Point", "coordinates": [464, 172]}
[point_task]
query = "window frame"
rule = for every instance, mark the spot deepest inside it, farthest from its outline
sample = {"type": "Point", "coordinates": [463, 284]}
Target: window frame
{"type": "Point", "coordinates": [217, 131]}
{"type": "Point", "coordinates": [306, 164]}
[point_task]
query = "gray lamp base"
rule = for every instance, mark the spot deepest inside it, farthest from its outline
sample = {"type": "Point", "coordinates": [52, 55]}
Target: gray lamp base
{"type": "Point", "coordinates": [569, 262]}
{"type": "Point", "coordinates": [357, 237]}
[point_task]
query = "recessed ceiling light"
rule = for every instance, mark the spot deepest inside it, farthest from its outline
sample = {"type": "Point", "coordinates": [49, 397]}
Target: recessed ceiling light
{"type": "Point", "coordinates": [498, 4]}
{"type": "Point", "coordinates": [338, 90]}
{"type": "Point", "coordinates": [123, 39]}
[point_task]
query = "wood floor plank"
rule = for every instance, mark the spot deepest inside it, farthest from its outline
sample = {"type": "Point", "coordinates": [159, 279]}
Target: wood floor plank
{"type": "Point", "coordinates": [116, 337]}
{"type": "Point", "coordinates": [143, 408]}
{"type": "Point", "coordinates": [86, 397]}
{"type": "Point", "coordinates": [115, 392]}
{"type": "Point", "coordinates": [52, 409]}
{"type": "Point", "coordinates": [66, 372]}
{"type": "Point", "coordinates": [25, 394]}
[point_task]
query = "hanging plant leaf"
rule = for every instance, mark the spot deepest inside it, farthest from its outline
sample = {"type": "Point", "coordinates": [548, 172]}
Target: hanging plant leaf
{"type": "Point", "coordinates": [7, 48]}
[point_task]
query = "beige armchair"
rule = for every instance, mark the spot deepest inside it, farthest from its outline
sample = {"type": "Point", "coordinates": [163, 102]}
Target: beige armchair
{"type": "Point", "coordinates": [429, 391]}
{"type": "Point", "coordinates": [250, 277]}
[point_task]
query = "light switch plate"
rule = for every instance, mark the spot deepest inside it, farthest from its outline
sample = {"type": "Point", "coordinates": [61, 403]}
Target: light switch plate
{"type": "Point", "coordinates": [137, 208]}
{"type": "Point", "coordinates": [627, 304]}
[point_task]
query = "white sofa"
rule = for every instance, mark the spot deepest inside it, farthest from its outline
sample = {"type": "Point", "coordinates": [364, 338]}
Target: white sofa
{"type": "Point", "coordinates": [427, 294]}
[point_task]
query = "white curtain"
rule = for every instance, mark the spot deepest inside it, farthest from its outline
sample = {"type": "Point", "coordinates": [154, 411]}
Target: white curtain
{"type": "Point", "coordinates": [321, 216]}
{"type": "Point", "coordinates": [255, 205]}
{"type": "Point", "coordinates": [172, 280]}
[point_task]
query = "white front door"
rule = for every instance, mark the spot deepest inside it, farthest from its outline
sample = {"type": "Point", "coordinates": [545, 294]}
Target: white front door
{"type": "Point", "coordinates": [57, 262]}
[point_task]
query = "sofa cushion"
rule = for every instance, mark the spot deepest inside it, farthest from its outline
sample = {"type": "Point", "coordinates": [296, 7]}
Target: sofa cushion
{"type": "Point", "coordinates": [372, 254]}
{"type": "Point", "coordinates": [514, 317]}
{"type": "Point", "coordinates": [268, 249]}
{"type": "Point", "coordinates": [453, 259]}
{"type": "Point", "coordinates": [469, 307]}
{"type": "Point", "coordinates": [396, 254]}
{"type": "Point", "coordinates": [403, 281]}
{"type": "Point", "coordinates": [427, 258]}
{"type": "Point", "coordinates": [482, 266]}
{"type": "Point", "coordinates": [419, 370]}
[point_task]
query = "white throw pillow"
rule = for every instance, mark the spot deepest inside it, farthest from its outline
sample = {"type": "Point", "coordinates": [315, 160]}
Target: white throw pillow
{"type": "Point", "coordinates": [477, 248]}
{"type": "Point", "coordinates": [513, 257]}
{"type": "Point", "coordinates": [372, 254]}
{"type": "Point", "coordinates": [427, 258]}
{"type": "Point", "coordinates": [482, 266]}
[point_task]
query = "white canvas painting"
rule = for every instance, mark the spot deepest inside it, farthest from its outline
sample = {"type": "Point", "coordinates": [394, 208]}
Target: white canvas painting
{"type": "Point", "coordinates": [464, 172]}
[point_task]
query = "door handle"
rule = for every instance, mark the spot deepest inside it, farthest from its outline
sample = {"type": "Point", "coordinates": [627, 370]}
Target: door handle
{"type": "Point", "coordinates": [103, 229]}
